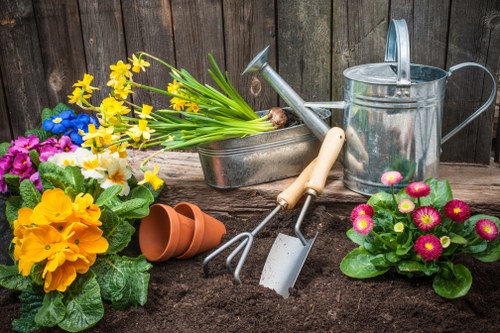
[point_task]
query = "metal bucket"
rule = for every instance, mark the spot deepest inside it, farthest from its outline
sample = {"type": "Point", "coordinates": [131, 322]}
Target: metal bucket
{"type": "Point", "coordinates": [261, 157]}
{"type": "Point", "coordinates": [393, 115]}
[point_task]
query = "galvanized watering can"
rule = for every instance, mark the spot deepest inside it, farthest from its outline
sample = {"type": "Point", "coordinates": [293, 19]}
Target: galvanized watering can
{"type": "Point", "coordinates": [392, 114]}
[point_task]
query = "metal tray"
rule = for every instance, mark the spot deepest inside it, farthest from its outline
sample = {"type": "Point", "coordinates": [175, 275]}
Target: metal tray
{"type": "Point", "coordinates": [260, 158]}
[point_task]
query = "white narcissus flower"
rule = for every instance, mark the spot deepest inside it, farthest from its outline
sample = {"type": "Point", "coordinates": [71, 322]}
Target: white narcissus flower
{"type": "Point", "coordinates": [118, 173]}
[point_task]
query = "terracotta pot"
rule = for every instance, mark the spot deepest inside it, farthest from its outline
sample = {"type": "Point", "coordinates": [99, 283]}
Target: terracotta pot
{"type": "Point", "coordinates": [164, 233]}
{"type": "Point", "coordinates": [208, 231]}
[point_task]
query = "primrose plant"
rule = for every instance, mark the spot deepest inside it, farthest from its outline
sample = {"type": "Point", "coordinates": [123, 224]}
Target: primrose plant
{"type": "Point", "coordinates": [419, 232]}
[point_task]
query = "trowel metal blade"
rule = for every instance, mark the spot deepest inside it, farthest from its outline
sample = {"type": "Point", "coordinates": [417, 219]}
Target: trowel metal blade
{"type": "Point", "coordinates": [284, 263]}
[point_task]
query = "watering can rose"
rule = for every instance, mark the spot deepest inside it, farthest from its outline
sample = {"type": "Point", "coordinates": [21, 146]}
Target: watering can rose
{"type": "Point", "coordinates": [61, 236]}
{"type": "Point", "coordinates": [418, 231]}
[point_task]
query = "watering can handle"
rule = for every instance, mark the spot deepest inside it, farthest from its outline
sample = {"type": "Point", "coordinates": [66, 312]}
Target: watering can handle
{"type": "Point", "coordinates": [328, 153]}
{"type": "Point", "coordinates": [291, 195]}
{"type": "Point", "coordinates": [397, 48]}
{"type": "Point", "coordinates": [482, 108]}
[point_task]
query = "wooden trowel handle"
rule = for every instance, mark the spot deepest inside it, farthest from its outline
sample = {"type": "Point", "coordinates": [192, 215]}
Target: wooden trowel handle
{"type": "Point", "coordinates": [293, 193]}
{"type": "Point", "coordinates": [328, 153]}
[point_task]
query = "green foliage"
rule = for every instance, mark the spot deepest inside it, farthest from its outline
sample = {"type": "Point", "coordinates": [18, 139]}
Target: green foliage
{"type": "Point", "coordinates": [108, 194]}
{"type": "Point", "coordinates": [47, 112]}
{"type": "Point", "coordinates": [12, 206]}
{"type": "Point", "coordinates": [31, 302]}
{"type": "Point", "coordinates": [40, 133]}
{"type": "Point", "coordinates": [11, 279]}
{"type": "Point", "coordinates": [52, 311]}
{"type": "Point", "coordinates": [4, 148]}
{"type": "Point", "coordinates": [116, 230]}
{"type": "Point", "coordinates": [29, 194]}
{"type": "Point", "coordinates": [385, 248]}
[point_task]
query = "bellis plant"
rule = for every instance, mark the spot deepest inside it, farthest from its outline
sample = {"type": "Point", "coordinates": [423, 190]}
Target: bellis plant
{"type": "Point", "coordinates": [420, 231]}
{"type": "Point", "coordinates": [198, 113]}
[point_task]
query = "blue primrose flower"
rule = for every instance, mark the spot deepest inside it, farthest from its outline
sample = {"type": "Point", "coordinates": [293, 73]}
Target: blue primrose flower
{"type": "Point", "coordinates": [59, 123]}
{"type": "Point", "coordinates": [79, 127]}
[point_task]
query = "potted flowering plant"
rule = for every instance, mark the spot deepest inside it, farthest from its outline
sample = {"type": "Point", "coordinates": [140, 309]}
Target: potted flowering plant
{"type": "Point", "coordinates": [71, 212]}
{"type": "Point", "coordinates": [419, 232]}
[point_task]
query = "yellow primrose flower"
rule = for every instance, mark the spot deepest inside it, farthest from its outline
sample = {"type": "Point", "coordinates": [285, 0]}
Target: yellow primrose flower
{"type": "Point", "coordinates": [120, 69]}
{"type": "Point", "coordinates": [152, 178]}
{"type": "Point", "coordinates": [61, 278]}
{"type": "Point", "coordinates": [174, 87]}
{"type": "Point", "coordinates": [86, 211]}
{"type": "Point", "coordinates": [192, 107]}
{"type": "Point", "coordinates": [54, 207]}
{"type": "Point", "coordinates": [177, 103]}
{"type": "Point", "coordinates": [20, 226]}
{"type": "Point", "coordinates": [85, 83]}
{"type": "Point", "coordinates": [88, 239]}
{"type": "Point", "coordinates": [78, 97]}
{"type": "Point", "coordinates": [138, 64]}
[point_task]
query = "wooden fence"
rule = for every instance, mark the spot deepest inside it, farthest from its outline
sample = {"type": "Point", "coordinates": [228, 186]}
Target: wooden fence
{"type": "Point", "coordinates": [46, 45]}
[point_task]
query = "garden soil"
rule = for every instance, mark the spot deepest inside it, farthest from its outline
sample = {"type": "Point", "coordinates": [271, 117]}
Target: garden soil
{"type": "Point", "coordinates": [181, 299]}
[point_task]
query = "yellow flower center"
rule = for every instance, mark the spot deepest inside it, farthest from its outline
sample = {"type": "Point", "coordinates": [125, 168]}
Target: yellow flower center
{"type": "Point", "coordinates": [429, 246]}
{"type": "Point", "coordinates": [47, 247]}
{"type": "Point", "coordinates": [57, 120]}
{"type": "Point", "coordinates": [487, 229]}
{"type": "Point", "coordinates": [426, 219]}
{"type": "Point", "coordinates": [457, 210]}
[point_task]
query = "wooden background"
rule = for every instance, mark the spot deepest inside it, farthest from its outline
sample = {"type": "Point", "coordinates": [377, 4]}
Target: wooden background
{"type": "Point", "coordinates": [46, 45]}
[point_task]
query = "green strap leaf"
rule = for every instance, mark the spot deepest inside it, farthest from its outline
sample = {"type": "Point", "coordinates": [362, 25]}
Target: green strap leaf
{"type": "Point", "coordinates": [123, 280]}
{"type": "Point", "coordinates": [11, 279]}
{"type": "Point", "coordinates": [116, 230]}
{"type": "Point", "coordinates": [108, 194]}
{"type": "Point", "coordinates": [358, 264]}
{"type": "Point", "coordinates": [52, 311]}
{"type": "Point", "coordinates": [456, 286]}
{"type": "Point", "coordinates": [84, 306]}
{"type": "Point", "coordinates": [29, 194]}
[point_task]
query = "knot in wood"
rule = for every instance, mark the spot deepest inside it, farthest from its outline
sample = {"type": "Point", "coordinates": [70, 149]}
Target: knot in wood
{"type": "Point", "coordinates": [255, 86]}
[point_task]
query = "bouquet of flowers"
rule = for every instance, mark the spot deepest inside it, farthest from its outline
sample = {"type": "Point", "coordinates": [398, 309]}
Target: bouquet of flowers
{"type": "Point", "coordinates": [71, 213]}
{"type": "Point", "coordinates": [420, 231]}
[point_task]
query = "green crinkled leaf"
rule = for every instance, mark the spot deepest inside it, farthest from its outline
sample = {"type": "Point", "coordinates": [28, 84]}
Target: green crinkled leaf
{"type": "Point", "coordinates": [75, 177]}
{"type": "Point", "coordinates": [108, 194]}
{"type": "Point", "coordinates": [60, 107]}
{"type": "Point", "coordinates": [116, 230]}
{"type": "Point", "coordinates": [12, 206]}
{"type": "Point", "coordinates": [357, 264]}
{"type": "Point", "coordinates": [133, 208]}
{"type": "Point", "coordinates": [12, 181]}
{"type": "Point", "coordinates": [31, 302]}
{"type": "Point", "coordinates": [124, 281]}
{"type": "Point", "coordinates": [34, 157]}
{"type": "Point", "coordinates": [440, 193]}
{"type": "Point", "coordinates": [4, 148]}
{"type": "Point", "coordinates": [40, 133]}
{"type": "Point", "coordinates": [11, 279]}
{"type": "Point", "coordinates": [29, 194]}
{"type": "Point", "coordinates": [52, 311]}
{"type": "Point", "coordinates": [53, 176]}
{"type": "Point", "coordinates": [47, 112]}
{"type": "Point", "coordinates": [84, 306]}
{"type": "Point", "coordinates": [142, 192]}
{"type": "Point", "coordinates": [355, 236]}
{"type": "Point", "coordinates": [456, 286]}
{"type": "Point", "coordinates": [381, 199]}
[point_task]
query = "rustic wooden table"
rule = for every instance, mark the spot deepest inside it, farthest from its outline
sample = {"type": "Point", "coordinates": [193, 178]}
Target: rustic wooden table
{"type": "Point", "coordinates": [478, 185]}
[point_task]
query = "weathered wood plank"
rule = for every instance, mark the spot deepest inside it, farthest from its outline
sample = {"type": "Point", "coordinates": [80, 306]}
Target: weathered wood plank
{"type": "Point", "coordinates": [148, 28]}
{"type": "Point", "coordinates": [21, 65]}
{"type": "Point", "coordinates": [477, 185]}
{"type": "Point", "coordinates": [104, 40]}
{"type": "Point", "coordinates": [198, 30]}
{"type": "Point", "coordinates": [340, 55]}
{"type": "Point", "coordinates": [470, 40]}
{"type": "Point", "coordinates": [5, 131]}
{"type": "Point", "coordinates": [249, 26]}
{"type": "Point", "coordinates": [61, 45]}
{"type": "Point", "coordinates": [304, 44]}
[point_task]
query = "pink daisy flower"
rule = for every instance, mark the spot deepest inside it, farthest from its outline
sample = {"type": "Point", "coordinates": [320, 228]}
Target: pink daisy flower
{"type": "Point", "coordinates": [391, 177]}
{"type": "Point", "coordinates": [406, 206]}
{"type": "Point", "coordinates": [457, 210]}
{"type": "Point", "coordinates": [363, 224]}
{"type": "Point", "coordinates": [426, 217]}
{"type": "Point", "coordinates": [362, 209]}
{"type": "Point", "coordinates": [428, 247]}
{"type": "Point", "coordinates": [418, 190]}
{"type": "Point", "coordinates": [486, 229]}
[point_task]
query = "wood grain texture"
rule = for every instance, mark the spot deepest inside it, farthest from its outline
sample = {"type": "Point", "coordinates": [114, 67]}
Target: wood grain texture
{"type": "Point", "coordinates": [104, 40]}
{"type": "Point", "coordinates": [340, 55]}
{"type": "Point", "coordinates": [61, 46]}
{"type": "Point", "coordinates": [21, 66]}
{"type": "Point", "coordinates": [304, 44]}
{"type": "Point", "coordinates": [198, 30]}
{"type": "Point", "coordinates": [469, 39]}
{"type": "Point", "coordinates": [249, 26]}
{"type": "Point", "coordinates": [477, 185]}
{"type": "Point", "coordinates": [5, 131]}
{"type": "Point", "coordinates": [148, 28]}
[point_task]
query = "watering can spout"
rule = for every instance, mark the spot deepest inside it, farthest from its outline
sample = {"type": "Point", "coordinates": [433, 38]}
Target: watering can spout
{"type": "Point", "coordinates": [259, 62]}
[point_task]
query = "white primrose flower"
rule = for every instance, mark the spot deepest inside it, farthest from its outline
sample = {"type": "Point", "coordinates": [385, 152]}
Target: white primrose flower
{"type": "Point", "coordinates": [118, 173]}
{"type": "Point", "coordinates": [90, 164]}
{"type": "Point", "coordinates": [64, 159]}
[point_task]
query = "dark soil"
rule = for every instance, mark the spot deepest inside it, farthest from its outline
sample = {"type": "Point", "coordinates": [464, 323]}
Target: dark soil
{"type": "Point", "coordinates": [323, 300]}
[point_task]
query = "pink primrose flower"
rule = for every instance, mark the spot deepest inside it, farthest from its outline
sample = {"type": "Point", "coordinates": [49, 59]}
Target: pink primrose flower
{"type": "Point", "coordinates": [428, 247]}
{"type": "Point", "coordinates": [23, 145]}
{"type": "Point", "coordinates": [487, 229]}
{"type": "Point", "coordinates": [363, 224]}
{"type": "Point", "coordinates": [362, 209]}
{"type": "Point", "coordinates": [457, 210]}
{"type": "Point", "coordinates": [391, 177]}
{"type": "Point", "coordinates": [418, 190]}
{"type": "Point", "coordinates": [406, 206]}
{"type": "Point", "coordinates": [35, 179]}
{"type": "Point", "coordinates": [426, 217]}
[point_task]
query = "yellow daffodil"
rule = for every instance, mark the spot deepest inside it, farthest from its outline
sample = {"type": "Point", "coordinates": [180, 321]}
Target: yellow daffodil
{"type": "Point", "coordinates": [174, 87]}
{"type": "Point", "coordinates": [121, 89]}
{"type": "Point", "coordinates": [146, 111]}
{"type": "Point", "coordinates": [192, 107]}
{"type": "Point", "coordinates": [112, 108]}
{"type": "Point", "coordinates": [85, 83]}
{"type": "Point", "coordinates": [120, 69]}
{"type": "Point", "coordinates": [78, 97]}
{"type": "Point", "coordinates": [152, 178]}
{"type": "Point", "coordinates": [54, 207]}
{"type": "Point", "coordinates": [98, 139]}
{"type": "Point", "coordinates": [140, 132]}
{"type": "Point", "coordinates": [138, 64]}
{"type": "Point", "coordinates": [86, 211]}
{"type": "Point", "coordinates": [177, 103]}
{"type": "Point", "coordinates": [121, 149]}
